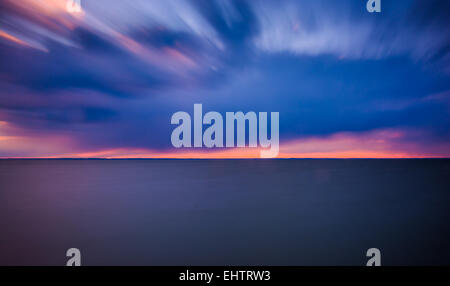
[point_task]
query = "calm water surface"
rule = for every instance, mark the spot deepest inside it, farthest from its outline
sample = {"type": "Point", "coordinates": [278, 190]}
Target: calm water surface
{"type": "Point", "coordinates": [214, 212]}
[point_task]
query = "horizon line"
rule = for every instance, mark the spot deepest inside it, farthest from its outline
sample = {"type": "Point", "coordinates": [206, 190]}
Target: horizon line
{"type": "Point", "coordinates": [312, 158]}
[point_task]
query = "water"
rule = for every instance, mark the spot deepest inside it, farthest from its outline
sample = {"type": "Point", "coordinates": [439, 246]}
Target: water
{"type": "Point", "coordinates": [224, 212]}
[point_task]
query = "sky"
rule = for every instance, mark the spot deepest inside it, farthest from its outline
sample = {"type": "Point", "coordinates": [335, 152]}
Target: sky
{"type": "Point", "coordinates": [104, 82]}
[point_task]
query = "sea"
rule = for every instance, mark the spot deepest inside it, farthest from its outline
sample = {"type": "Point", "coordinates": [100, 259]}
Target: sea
{"type": "Point", "coordinates": [225, 212]}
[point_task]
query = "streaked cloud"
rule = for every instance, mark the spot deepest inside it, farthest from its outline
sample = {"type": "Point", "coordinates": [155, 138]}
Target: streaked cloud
{"type": "Point", "coordinates": [342, 30]}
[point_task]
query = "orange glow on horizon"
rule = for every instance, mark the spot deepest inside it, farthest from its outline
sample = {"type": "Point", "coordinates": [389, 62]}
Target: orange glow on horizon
{"type": "Point", "coordinates": [253, 153]}
{"type": "Point", "coordinates": [377, 144]}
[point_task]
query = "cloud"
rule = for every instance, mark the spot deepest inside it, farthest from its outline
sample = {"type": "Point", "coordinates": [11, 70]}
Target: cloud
{"type": "Point", "coordinates": [320, 27]}
{"type": "Point", "coordinates": [384, 143]}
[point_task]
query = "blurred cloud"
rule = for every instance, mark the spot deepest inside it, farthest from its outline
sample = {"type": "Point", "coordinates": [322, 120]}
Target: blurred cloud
{"type": "Point", "coordinates": [318, 27]}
